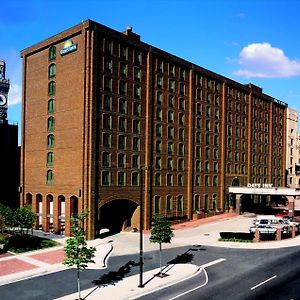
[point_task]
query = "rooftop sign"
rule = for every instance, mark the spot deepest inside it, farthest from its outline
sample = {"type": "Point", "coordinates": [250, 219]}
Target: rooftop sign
{"type": "Point", "coordinates": [68, 47]}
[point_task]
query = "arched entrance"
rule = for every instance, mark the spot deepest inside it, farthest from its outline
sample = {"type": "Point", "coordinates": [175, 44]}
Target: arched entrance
{"type": "Point", "coordinates": [116, 216]}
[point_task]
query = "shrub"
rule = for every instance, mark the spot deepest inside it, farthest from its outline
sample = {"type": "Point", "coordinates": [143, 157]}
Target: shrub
{"type": "Point", "coordinates": [243, 236]}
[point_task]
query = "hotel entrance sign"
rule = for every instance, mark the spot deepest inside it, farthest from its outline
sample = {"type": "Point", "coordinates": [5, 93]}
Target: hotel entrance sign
{"type": "Point", "coordinates": [260, 185]}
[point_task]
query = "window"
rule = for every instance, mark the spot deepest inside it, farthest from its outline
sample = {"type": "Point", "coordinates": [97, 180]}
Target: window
{"type": "Point", "coordinates": [122, 142]}
{"type": "Point", "coordinates": [215, 180]}
{"type": "Point", "coordinates": [51, 106]}
{"type": "Point", "coordinates": [197, 203]}
{"type": "Point", "coordinates": [180, 149]}
{"type": "Point", "coordinates": [181, 104]}
{"type": "Point", "coordinates": [158, 147]}
{"type": "Point", "coordinates": [182, 89]}
{"type": "Point", "coordinates": [180, 203]}
{"type": "Point", "coordinates": [198, 137]}
{"type": "Point", "coordinates": [169, 203]}
{"type": "Point", "coordinates": [50, 176]}
{"type": "Point", "coordinates": [121, 178]}
{"type": "Point", "coordinates": [182, 74]}
{"type": "Point", "coordinates": [105, 178]}
{"type": "Point", "coordinates": [50, 159]}
{"type": "Point", "coordinates": [122, 87]}
{"type": "Point", "coordinates": [206, 180]}
{"type": "Point", "coordinates": [107, 64]}
{"type": "Point", "coordinates": [106, 121]}
{"type": "Point", "coordinates": [122, 124]}
{"type": "Point", "coordinates": [108, 47]}
{"type": "Point", "coordinates": [123, 52]}
{"type": "Point", "coordinates": [50, 141]}
{"type": "Point", "coordinates": [171, 70]}
{"type": "Point", "coordinates": [216, 167]}
{"type": "Point", "coordinates": [158, 130]}
{"type": "Point", "coordinates": [51, 124]}
{"type": "Point", "coordinates": [172, 85]}
{"type": "Point", "coordinates": [170, 133]}
{"type": "Point", "coordinates": [136, 109]}
{"type": "Point", "coordinates": [136, 126]}
{"type": "Point", "coordinates": [157, 201]}
{"type": "Point", "coordinates": [170, 164]}
{"type": "Point", "coordinates": [159, 98]}
{"type": "Point", "coordinates": [159, 66]}
{"type": "Point", "coordinates": [180, 180]}
{"type": "Point", "coordinates": [158, 114]}
{"type": "Point", "coordinates": [157, 179]}
{"type": "Point", "coordinates": [51, 88]}
{"type": "Point", "coordinates": [180, 164]}
{"type": "Point", "coordinates": [106, 140]}
{"type": "Point", "coordinates": [198, 166]}
{"type": "Point", "coordinates": [171, 101]}
{"type": "Point", "coordinates": [137, 57]}
{"type": "Point", "coordinates": [52, 71]}
{"type": "Point", "coordinates": [137, 74]}
{"type": "Point", "coordinates": [197, 180]}
{"type": "Point", "coordinates": [136, 144]}
{"type": "Point", "coordinates": [169, 180]}
{"type": "Point", "coordinates": [135, 179]}
{"type": "Point", "coordinates": [121, 160]}
{"type": "Point", "coordinates": [123, 70]}
{"type": "Point", "coordinates": [105, 159]}
{"type": "Point", "coordinates": [159, 81]}
{"type": "Point", "coordinates": [52, 52]}
{"type": "Point", "coordinates": [135, 161]}
{"type": "Point", "coordinates": [206, 166]}
{"type": "Point", "coordinates": [170, 148]}
{"type": "Point", "coordinates": [107, 84]}
{"type": "Point", "coordinates": [181, 134]}
{"type": "Point", "coordinates": [106, 102]}
{"type": "Point", "coordinates": [170, 116]}
{"type": "Point", "coordinates": [158, 163]}
{"type": "Point", "coordinates": [137, 91]}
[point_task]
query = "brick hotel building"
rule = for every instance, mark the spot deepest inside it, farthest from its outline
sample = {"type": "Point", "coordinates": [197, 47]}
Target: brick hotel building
{"type": "Point", "coordinates": [101, 108]}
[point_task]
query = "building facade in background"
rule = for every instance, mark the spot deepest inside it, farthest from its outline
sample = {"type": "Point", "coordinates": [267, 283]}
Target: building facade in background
{"type": "Point", "coordinates": [9, 150]}
{"type": "Point", "coordinates": [101, 108]}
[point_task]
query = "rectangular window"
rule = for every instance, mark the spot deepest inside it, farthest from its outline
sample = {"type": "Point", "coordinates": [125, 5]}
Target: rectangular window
{"type": "Point", "coordinates": [122, 106]}
{"type": "Point", "coordinates": [106, 102]}
{"type": "Point", "coordinates": [182, 89]}
{"type": "Point", "coordinates": [137, 91]}
{"type": "Point", "coordinates": [137, 74]}
{"type": "Point", "coordinates": [137, 57]}
{"type": "Point", "coordinates": [107, 64]}
{"type": "Point", "coordinates": [122, 87]}
{"type": "Point", "coordinates": [135, 161]}
{"type": "Point", "coordinates": [136, 126]}
{"type": "Point", "coordinates": [159, 81]}
{"type": "Point", "coordinates": [106, 140]}
{"type": "Point", "coordinates": [158, 130]}
{"type": "Point", "coordinates": [122, 124]}
{"type": "Point", "coordinates": [121, 178]}
{"type": "Point", "coordinates": [123, 70]}
{"type": "Point", "coordinates": [123, 52]}
{"type": "Point", "coordinates": [172, 85]}
{"type": "Point", "coordinates": [106, 121]}
{"type": "Point", "coordinates": [169, 180]}
{"type": "Point", "coordinates": [137, 109]}
{"type": "Point", "coordinates": [159, 98]}
{"type": "Point", "coordinates": [170, 133]}
{"type": "Point", "coordinates": [107, 84]}
{"type": "Point", "coordinates": [121, 142]}
{"type": "Point", "coordinates": [105, 178]}
{"type": "Point", "coordinates": [136, 144]}
{"type": "Point", "coordinates": [158, 147]}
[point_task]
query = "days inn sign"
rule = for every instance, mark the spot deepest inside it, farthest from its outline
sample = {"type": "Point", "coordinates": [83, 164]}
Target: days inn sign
{"type": "Point", "coordinates": [68, 47]}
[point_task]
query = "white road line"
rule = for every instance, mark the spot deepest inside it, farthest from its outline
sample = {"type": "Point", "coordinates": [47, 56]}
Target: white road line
{"type": "Point", "coordinates": [214, 262]}
{"type": "Point", "coordinates": [267, 280]}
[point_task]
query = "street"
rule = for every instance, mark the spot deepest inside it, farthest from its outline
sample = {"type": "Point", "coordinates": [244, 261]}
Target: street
{"type": "Point", "coordinates": [234, 274]}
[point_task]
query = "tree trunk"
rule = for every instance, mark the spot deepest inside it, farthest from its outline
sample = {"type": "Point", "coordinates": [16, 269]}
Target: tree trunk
{"type": "Point", "coordinates": [78, 284]}
{"type": "Point", "coordinates": [160, 259]}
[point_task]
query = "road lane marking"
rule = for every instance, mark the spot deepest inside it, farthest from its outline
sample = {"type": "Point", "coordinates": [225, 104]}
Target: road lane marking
{"type": "Point", "coordinates": [202, 268]}
{"type": "Point", "coordinates": [263, 282]}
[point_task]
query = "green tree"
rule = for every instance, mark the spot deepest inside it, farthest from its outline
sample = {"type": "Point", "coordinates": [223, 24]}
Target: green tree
{"type": "Point", "coordinates": [24, 218]}
{"type": "Point", "coordinates": [76, 250]}
{"type": "Point", "coordinates": [161, 233]}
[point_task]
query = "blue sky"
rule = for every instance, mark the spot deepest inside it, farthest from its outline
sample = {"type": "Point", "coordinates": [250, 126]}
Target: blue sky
{"type": "Point", "coordinates": [253, 41]}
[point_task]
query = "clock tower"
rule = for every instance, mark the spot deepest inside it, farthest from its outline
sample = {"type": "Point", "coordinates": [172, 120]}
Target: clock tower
{"type": "Point", "coordinates": [4, 88]}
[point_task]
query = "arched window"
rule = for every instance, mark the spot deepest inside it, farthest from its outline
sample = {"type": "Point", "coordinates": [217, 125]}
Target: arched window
{"type": "Point", "coordinates": [51, 88]}
{"type": "Point", "coordinates": [51, 106]}
{"type": "Point", "coordinates": [157, 201]}
{"type": "Point", "coordinates": [50, 141]}
{"type": "Point", "coordinates": [52, 53]}
{"type": "Point", "coordinates": [51, 124]}
{"type": "Point", "coordinates": [50, 176]}
{"type": "Point", "coordinates": [52, 71]}
{"type": "Point", "coordinates": [50, 159]}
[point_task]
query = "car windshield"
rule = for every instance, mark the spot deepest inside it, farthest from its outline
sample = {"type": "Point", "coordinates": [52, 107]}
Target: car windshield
{"type": "Point", "coordinates": [264, 222]}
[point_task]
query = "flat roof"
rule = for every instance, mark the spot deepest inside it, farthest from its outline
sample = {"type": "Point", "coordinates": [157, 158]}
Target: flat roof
{"type": "Point", "coordinates": [284, 191]}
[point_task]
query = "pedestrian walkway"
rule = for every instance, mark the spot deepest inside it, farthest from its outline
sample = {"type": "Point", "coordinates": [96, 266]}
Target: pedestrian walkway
{"type": "Point", "coordinates": [199, 232]}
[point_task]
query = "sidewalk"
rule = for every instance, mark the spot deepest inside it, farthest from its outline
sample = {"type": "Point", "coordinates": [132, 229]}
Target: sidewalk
{"type": "Point", "coordinates": [203, 232]}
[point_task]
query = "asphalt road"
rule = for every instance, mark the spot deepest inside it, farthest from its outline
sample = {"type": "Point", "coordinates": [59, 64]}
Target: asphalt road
{"type": "Point", "coordinates": [244, 274]}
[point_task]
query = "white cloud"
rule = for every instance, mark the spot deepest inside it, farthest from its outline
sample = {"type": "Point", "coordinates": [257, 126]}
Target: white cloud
{"type": "Point", "coordinates": [264, 61]}
{"type": "Point", "coordinates": [15, 94]}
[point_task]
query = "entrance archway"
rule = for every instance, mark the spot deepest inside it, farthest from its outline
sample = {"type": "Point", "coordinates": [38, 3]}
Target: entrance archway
{"type": "Point", "coordinates": [116, 216]}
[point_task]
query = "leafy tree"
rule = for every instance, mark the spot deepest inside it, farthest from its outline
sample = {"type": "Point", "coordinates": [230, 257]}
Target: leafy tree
{"type": "Point", "coordinates": [161, 233]}
{"type": "Point", "coordinates": [76, 250]}
{"type": "Point", "coordinates": [24, 218]}
{"type": "Point", "coordinates": [8, 214]}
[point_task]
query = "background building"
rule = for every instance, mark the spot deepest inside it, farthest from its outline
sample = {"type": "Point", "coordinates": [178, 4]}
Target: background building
{"type": "Point", "coordinates": [100, 108]}
{"type": "Point", "coordinates": [9, 150]}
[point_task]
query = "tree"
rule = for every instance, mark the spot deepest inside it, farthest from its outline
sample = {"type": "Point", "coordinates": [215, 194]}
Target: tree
{"type": "Point", "coordinates": [161, 233]}
{"type": "Point", "coordinates": [76, 250]}
{"type": "Point", "coordinates": [25, 218]}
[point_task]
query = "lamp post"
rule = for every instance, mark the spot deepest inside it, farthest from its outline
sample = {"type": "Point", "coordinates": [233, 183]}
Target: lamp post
{"type": "Point", "coordinates": [141, 285]}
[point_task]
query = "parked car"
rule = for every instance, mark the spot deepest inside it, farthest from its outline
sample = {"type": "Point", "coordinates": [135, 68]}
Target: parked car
{"type": "Point", "coordinates": [263, 229]}
{"type": "Point", "coordinates": [292, 221]}
{"type": "Point", "coordinates": [283, 213]}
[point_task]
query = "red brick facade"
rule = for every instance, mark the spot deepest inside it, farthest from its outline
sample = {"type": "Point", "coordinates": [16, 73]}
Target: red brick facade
{"type": "Point", "coordinates": [95, 115]}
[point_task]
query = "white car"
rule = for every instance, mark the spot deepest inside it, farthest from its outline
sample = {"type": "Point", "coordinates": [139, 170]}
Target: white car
{"type": "Point", "coordinates": [263, 229]}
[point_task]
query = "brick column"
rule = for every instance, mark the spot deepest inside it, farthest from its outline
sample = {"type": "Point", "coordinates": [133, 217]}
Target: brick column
{"type": "Point", "coordinates": [293, 231]}
{"type": "Point", "coordinates": [238, 204]}
{"type": "Point", "coordinates": [56, 214]}
{"type": "Point", "coordinates": [278, 234]}
{"type": "Point", "coordinates": [256, 236]}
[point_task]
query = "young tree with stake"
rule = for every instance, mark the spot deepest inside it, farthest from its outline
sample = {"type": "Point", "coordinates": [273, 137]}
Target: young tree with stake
{"type": "Point", "coordinates": [161, 233]}
{"type": "Point", "coordinates": [76, 250]}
